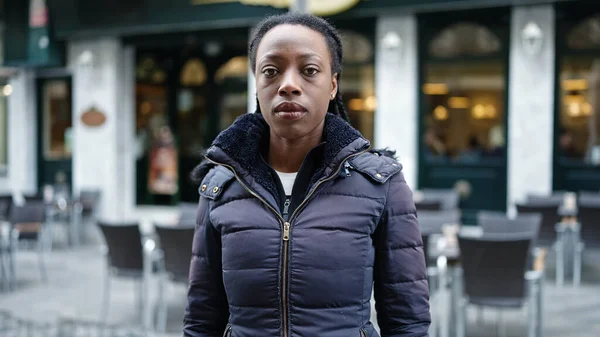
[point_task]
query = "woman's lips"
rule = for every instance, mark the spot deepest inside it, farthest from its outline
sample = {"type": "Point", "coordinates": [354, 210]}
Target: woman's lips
{"type": "Point", "coordinates": [290, 110]}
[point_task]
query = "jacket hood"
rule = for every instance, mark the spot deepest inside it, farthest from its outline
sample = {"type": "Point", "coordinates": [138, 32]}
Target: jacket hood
{"type": "Point", "coordinates": [241, 146]}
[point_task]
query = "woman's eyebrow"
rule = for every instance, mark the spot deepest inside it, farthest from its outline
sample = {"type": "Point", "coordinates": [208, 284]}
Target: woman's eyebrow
{"type": "Point", "coordinates": [275, 56]}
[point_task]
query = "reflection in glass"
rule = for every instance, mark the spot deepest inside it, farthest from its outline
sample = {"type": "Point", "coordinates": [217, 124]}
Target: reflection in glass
{"type": "Point", "coordinates": [586, 35]}
{"type": "Point", "coordinates": [358, 82]}
{"type": "Point", "coordinates": [464, 39]}
{"type": "Point", "coordinates": [232, 78]}
{"type": "Point", "coordinates": [56, 100]}
{"type": "Point", "coordinates": [579, 138]}
{"type": "Point", "coordinates": [464, 120]}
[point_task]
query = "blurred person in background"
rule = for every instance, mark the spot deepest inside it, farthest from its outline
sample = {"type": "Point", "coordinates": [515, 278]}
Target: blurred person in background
{"type": "Point", "coordinates": [298, 216]}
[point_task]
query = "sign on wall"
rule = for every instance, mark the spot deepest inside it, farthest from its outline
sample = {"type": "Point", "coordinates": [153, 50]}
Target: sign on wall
{"type": "Point", "coordinates": [318, 7]}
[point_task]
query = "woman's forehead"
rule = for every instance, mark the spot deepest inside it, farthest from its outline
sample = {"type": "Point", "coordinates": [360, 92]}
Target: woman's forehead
{"type": "Point", "coordinates": [300, 41]}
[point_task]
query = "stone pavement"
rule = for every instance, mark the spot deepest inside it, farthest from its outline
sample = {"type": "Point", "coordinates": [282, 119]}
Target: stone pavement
{"type": "Point", "coordinates": [76, 279]}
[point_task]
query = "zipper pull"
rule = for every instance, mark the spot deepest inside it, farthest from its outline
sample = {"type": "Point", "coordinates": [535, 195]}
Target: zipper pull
{"type": "Point", "coordinates": [286, 231]}
{"type": "Point", "coordinates": [347, 168]}
{"type": "Point", "coordinates": [286, 206]}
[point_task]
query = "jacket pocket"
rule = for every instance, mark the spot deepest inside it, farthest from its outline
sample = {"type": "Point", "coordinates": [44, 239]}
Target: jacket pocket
{"type": "Point", "coordinates": [227, 332]}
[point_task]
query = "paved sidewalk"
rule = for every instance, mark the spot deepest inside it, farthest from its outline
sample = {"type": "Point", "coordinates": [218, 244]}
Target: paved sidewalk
{"type": "Point", "coordinates": [76, 278]}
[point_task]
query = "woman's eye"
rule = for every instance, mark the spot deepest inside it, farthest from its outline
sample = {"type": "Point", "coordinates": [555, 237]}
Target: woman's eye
{"type": "Point", "coordinates": [310, 71]}
{"type": "Point", "coordinates": [270, 72]}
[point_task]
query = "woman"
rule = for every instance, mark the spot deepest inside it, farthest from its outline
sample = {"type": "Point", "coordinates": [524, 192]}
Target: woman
{"type": "Point", "coordinates": [298, 216]}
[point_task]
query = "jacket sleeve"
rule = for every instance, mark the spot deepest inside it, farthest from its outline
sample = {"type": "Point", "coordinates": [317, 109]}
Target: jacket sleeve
{"type": "Point", "coordinates": [207, 311]}
{"type": "Point", "coordinates": [400, 275]}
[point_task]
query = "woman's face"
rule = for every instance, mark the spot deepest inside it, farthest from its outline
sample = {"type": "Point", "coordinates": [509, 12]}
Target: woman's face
{"type": "Point", "coordinates": [294, 80]}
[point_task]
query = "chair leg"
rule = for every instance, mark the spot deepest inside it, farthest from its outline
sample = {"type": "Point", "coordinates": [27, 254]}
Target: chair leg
{"type": "Point", "coordinates": [500, 324]}
{"type": "Point", "coordinates": [560, 262]}
{"type": "Point", "coordinates": [105, 297]}
{"type": "Point", "coordinates": [162, 305]}
{"type": "Point", "coordinates": [42, 263]}
{"type": "Point", "coordinates": [577, 263]}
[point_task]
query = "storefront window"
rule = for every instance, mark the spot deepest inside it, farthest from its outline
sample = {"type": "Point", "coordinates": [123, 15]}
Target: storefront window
{"type": "Point", "coordinates": [464, 91]}
{"type": "Point", "coordinates": [156, 151]}
{"type": "Point", "coordinates": [58, 120]}
{"type": "Point", "coordinates": [5, 91]}
{"type": "Point", "coordinates": [192, 107]}
{"type": "Point", "coordinates": [579, 118]}
{"type": "Point", "coordinates": [358, 82]}
{"type": "Point", "coordinates": [232, 78]}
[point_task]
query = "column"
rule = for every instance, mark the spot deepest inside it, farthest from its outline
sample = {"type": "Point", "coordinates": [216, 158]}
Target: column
{"type": "Point", "coordinates": [396, 117]}
{"type": "Point", "coordinates": [22, 135]}
{"type": "Point", "coordinates": [531, 102]}
{"type": "Point", "coordinates": [103, 78]}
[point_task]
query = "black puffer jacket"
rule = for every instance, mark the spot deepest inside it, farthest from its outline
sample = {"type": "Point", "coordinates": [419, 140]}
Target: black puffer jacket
{"type": "Point", "coordinates": [263, 269]}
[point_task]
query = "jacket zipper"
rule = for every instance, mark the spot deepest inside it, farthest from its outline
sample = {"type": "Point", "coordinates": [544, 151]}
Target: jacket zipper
{"type": "Point", "coordinates": [363, 333]}
{"type": "Point", "coordinates": [227, 332]}
{"type": "Point", "coordinates": [286, 235]}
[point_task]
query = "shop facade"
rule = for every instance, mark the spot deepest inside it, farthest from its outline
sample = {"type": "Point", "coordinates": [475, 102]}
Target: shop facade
{"type": "Point", "coordinates": [466, 94]}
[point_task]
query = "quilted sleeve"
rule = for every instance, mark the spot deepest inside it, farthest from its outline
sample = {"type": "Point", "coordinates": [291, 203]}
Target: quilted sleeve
{"type": "Point", "coordinates": [400, 275]}
{"type": "Point", "coordinates": [207, 311]}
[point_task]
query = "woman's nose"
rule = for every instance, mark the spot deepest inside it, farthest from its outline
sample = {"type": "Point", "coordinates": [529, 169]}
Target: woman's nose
{"type": "Point", "coordinates": [290, 84]}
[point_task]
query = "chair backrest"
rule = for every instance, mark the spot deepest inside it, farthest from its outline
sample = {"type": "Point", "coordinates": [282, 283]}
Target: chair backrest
{"type": "Point", "coordinates": [550, 217]}
{"type": "Point", "coordinates": [89, 199]}
{"type": "Point", "coordinates": [589, 218]}
{"type": "Point", "coordinates": [124, 242]}
{"type": "Point", "coordinates": [494, 265]}
{"type": "Point", "coordinates": [556, 198]}
{"type": "Point", "coordinates": [188, 211]}
{"type": "Point", "coordinates": [428, 205]}
{"type": "Point", "coordinates": [31, 212]}
{"type": "Point", "coordinates": [431, 222]}
{"type": "Point", "coordinates": [5, 205]}
{"type": "Point", "coordinates": [496, 222]}
{"type": "Point", "coordinates": [176, 244]}
{"type": "Point", "coordinates": [589, 199]}
{"type": "Point", "coordinates": [448, 198]}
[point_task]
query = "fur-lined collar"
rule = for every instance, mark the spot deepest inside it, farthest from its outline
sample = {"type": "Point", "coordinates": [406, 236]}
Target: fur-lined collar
{"type": "Point", "coordinates": [241, 146]}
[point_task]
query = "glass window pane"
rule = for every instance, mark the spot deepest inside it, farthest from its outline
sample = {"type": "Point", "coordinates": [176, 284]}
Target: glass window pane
{"type": "Point", "coordinates": [4, 93]}
{"type": "Point", "coordinates": [464, 39]}
{"type": "Point", "coordinates": [464, 117]}
{"type": "Point", "coordinates": [57, 119]}
{"type": "Point", "coordinates": [579, 119]}
{"type": "Point", "coordinates": [358, 82]}
{"type": "Point", "coordinates": [585, 35]}
{"type": "Point", "coordinates": [232, 79]}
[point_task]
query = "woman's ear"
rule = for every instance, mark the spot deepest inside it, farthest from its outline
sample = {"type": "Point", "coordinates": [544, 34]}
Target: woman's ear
{"type": "Point", "coordinates": [334, 86]}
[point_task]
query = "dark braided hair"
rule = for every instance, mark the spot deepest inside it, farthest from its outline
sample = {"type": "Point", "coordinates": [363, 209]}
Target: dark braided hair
{"type": "Point", "coordinates": [334, 43]}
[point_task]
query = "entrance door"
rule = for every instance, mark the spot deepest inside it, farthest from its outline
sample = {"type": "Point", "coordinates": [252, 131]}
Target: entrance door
{"type": "Point", "coordinates": [463, 107]}
{"type": "Point", "coordinates": [186, 95]}
{"type": "Point", "coordinates": [54, 132]}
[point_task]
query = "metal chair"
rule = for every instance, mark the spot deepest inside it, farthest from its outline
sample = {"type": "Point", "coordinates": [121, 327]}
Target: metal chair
{"type": "Point", "coordinates": [84, 212]}
{"type": "Point", "coordinates": [188, 212]}
{"type": "Point", "coordinates": [28, 224]}
{"type": "Point", "coordinates": [128, 255]}
{"type": "Point", "coordinates": [448, 198]}
{"type": "Point", "coordinates": [431, 223]}
{"type": "Point", "coordinates": [550, 217]}
{"type": "Point", "coordinates": [556, 198]}
{"type": "Point", "coordinates": [5, 204]}
{"type": "Point", "coordinates": [176, 246]}
{"type": "Point", "coordinates": [495, 274]}
{"type": "Point", "coordinates": [499, 223]}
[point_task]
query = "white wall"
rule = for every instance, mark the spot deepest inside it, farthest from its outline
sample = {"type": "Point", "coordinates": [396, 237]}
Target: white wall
{"type": "Point", "coordinates": [22, 138]}
{"type": "Point", "coordinates": [531, 106]}
{"type": "Point", "coordinates": [396, 123]}
{"type": "Point", "coordinates": [102, 155]}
